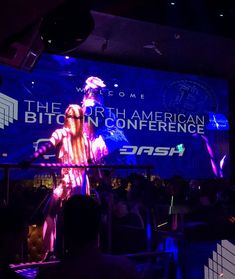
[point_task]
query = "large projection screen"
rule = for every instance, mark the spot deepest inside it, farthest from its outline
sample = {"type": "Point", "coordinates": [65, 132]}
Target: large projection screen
{"type": "Point", "coordinates": [175, 122]}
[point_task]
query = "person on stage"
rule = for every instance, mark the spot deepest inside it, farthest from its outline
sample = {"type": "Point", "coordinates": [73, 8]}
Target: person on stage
{"type": "Point", "coordinates": [73, 147]}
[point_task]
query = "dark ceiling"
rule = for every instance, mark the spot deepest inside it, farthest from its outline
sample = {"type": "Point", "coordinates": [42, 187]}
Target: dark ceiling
{"type": "Point", "coordinates": [207, 16]}
{"type": "Point", "coordinates": [196, 36]}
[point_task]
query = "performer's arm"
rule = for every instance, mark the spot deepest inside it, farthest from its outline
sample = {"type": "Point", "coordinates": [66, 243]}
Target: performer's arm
{"type": "Point", "coordinates": [42, 150]}
{"type": "Point", "coordinates": [58, 135]}
{"type": "Point", "coordinates": [55, 139]}
{"type": "Point", "coordinates": [99, 149]}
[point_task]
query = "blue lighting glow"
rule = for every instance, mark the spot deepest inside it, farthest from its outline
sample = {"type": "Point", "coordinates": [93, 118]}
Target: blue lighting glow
{"type": "Point", "coordinates": [28, 273]}
{"type": "Point", "coordinates": [148, 117]}
{"type": "Point", "coordinates": [217, 121]}
{"type": "Point", "coordinates": [149, 232]}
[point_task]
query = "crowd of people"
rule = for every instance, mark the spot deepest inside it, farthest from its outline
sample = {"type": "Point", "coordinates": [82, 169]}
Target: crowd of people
{"type": "Point", "coordinates": [124, 202]}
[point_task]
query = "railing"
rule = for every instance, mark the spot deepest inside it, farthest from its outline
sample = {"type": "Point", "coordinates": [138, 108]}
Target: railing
{"type": "Point", "coordinates": [24, 166]}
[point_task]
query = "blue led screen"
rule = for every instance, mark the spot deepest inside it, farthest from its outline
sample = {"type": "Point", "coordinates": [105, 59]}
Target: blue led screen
{"type": "Point", "coordinates": [176, 122]}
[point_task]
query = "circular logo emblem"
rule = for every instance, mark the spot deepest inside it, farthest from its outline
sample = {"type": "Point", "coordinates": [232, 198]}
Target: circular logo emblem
{"type": "Point", "coordinates": [187, 96]}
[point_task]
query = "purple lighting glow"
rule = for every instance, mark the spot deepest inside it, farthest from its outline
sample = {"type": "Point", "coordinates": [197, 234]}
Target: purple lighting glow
{"type": "Point", "coordinates": [221, 164]}
{"type": "Point", "coordinates": [210, 152]}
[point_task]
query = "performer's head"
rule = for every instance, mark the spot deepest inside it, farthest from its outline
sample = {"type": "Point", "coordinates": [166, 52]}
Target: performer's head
{"type": "Point", "coordinates": [74, 119]}
{"type": "Point", "coordinates": [93, 89]}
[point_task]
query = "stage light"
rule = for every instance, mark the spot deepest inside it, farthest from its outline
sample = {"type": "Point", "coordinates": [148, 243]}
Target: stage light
{"type": "Point", "coordinates": [177, 36]}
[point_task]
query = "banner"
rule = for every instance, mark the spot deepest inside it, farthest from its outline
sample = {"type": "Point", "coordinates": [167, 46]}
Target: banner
{"type": "Point", "coordinates": [175, 122]}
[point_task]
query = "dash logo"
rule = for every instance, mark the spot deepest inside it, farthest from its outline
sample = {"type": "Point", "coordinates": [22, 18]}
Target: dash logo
{"type": "Point", "coordinates": [151, 150]}
{"type": "Point", "coordinates": [8, 110]}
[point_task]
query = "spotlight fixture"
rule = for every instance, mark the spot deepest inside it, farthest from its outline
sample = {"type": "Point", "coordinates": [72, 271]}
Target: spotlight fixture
{"type": "Point", "coordinates": [154, 47]}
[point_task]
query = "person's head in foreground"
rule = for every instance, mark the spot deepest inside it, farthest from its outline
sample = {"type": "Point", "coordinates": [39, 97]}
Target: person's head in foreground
{"type": "Point", "coordinates": [82, 216]}
{"type": "Point", "coordinates": [12, 233]}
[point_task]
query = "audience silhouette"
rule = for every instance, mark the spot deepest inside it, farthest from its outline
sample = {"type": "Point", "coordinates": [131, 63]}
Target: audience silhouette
{"type": "Point", "coordinates": [12, 234]}
{"type": "Point", "coordinates": [82, 257]}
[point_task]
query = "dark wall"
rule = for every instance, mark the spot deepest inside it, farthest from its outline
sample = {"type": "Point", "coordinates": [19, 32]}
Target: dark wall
{"type": "Point", "coordinates": [232, 128]}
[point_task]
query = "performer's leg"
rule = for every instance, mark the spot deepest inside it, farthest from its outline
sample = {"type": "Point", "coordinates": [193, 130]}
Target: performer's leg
{"type": "Point", "coordinates": [49, 228]}
{"type": "Point", "coordinates": [49, 236]}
